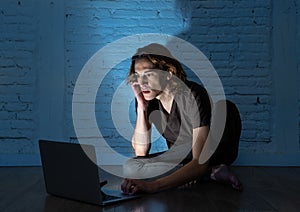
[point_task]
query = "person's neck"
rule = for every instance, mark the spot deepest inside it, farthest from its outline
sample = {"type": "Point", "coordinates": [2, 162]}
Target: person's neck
{"type": "Point", "coordinates": [166, 98]}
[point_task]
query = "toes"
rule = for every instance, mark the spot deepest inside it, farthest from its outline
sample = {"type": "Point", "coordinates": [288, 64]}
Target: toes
{"type": "Point", "coordinates": [212, 176]}
{"type": "Point", "coordinates": [235, 183]}
{"type": "Point", "coordinates": [223, 174]}
{"type": "Point", "coordinates": [238, 187]}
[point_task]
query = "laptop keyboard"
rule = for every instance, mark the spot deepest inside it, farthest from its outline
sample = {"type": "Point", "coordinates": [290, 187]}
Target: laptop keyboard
{"type": "Point", "coordinates": [106, 197]}
{"type": "Point", "coordinates": [109, 197]}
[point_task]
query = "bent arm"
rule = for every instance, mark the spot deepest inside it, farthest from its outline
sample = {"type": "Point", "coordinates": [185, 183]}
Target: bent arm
{"type": "Point", "coordinates": [142, 133]}
{"type": "Point", "coordinates": [192, 170]}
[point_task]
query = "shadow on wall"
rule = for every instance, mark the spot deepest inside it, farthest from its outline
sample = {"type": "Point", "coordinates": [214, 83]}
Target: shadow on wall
{"type": "Point", "coordinates": [235, 36]}
{"type": "Point", "coordinates": [213, 28]}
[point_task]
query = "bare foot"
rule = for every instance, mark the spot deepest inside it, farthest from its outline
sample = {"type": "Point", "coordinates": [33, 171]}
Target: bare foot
{"type": "Point", "coordinates": [223, 174]}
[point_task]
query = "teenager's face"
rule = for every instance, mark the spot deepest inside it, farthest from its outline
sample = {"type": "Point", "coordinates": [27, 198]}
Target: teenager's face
{"type": "Point", "coordinates": [150, 80]}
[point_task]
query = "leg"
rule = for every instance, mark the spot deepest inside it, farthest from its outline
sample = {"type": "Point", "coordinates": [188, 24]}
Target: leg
{"type": "Point", "coordinates": [159, 164]}
{"type": "Point", "coordinates": [149, 167]}
{"type": "Point", "coordinates": [227, 151]}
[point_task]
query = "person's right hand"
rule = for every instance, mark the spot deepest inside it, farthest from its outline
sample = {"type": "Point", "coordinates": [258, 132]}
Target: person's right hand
{"type": "Point", "coordinates": [132, 186]}
{"type": "Point", "coordinates": [142, 102]}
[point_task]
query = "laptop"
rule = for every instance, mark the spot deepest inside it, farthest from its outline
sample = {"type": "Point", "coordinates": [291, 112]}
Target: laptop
{"type": "Point", "coordinates": [70, 173]}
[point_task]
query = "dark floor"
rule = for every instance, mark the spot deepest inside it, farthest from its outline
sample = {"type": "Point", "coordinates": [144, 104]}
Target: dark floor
{"type": "Point", "coordinates": [265, 189]}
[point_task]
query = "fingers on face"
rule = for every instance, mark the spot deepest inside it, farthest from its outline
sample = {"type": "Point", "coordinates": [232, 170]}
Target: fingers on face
{"type": "Point", "coordinates": [136, 88]}
{"type": "Point", "coordinates": [134, 84]}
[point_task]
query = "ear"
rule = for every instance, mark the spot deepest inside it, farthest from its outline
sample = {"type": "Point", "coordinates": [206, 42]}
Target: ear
{"type": "Point", "coordinates": [171, 70]}
{"type": "Point", "coordinates": [169, 75]}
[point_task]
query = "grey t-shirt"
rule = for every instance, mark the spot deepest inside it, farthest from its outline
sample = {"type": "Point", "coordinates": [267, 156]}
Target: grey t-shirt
{"type": "Point", "coordinates": [191, 108]}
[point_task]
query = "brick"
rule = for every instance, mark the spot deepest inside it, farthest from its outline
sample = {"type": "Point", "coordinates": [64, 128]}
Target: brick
{"type": "Point", "coordinates": [15, 107]}
{"type": "Point", "coordinates": [5, 115]}
{"type": "Point", "coordinates": [234, 35]}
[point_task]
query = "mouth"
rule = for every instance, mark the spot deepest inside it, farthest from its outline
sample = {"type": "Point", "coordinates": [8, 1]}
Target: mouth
{"type": "Point", "coordinates": [146, 92]}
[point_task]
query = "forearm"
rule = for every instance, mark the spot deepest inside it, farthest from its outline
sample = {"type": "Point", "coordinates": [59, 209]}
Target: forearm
{"type": "Point", "coordinates": [191, 171]}
{"type": "Point", "coordinates": [141, 136]}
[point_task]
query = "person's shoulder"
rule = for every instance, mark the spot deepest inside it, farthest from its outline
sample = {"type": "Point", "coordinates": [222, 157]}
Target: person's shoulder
{"type": "Point", "coordinates": [190, 91]}
{"type": "Point", "coordinates": [195, 88]}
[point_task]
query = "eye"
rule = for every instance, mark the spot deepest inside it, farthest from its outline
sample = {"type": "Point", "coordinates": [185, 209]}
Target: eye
{"type": "Point", "coordinates": [136, 75]}
{"type": "Point", "coordinates": [149, 74]}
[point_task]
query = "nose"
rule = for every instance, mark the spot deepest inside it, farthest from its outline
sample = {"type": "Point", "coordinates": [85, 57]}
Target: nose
{"type": "Point", "coordinates": [142, 80]}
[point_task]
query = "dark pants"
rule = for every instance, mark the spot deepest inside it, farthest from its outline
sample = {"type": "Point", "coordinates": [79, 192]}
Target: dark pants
{"type": "Point", "coordinates": [227, 150]}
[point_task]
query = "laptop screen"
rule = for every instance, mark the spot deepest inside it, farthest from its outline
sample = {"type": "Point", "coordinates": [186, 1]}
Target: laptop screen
{"type": "Point", "coordinates": [69, 172]}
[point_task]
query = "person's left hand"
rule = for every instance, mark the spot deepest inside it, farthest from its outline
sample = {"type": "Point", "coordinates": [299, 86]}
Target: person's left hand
{"type": "Point", "coordinates": [132, 186]}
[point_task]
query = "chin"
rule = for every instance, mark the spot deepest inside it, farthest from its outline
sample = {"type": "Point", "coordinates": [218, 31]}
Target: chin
{"type": "Point", "coordinates": [151, 95]}
{"type": "Point", "coordinates": [148, 98]}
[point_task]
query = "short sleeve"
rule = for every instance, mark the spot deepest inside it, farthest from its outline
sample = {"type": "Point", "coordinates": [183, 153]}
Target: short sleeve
{"type": "Point", "coordinates": [200, 107]}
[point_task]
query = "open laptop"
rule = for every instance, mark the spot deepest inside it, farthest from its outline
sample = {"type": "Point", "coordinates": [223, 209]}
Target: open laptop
{"type": "Point", "coordinates": [70, 173]}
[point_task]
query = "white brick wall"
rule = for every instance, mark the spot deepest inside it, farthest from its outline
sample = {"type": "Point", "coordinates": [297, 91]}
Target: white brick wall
{"type": "Point", "coordinates": [18, 79]}
{"type": "Point", "coordinates": [235, 35]}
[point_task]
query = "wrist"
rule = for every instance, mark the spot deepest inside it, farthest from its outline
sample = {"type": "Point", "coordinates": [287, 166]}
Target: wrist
{"type": "Point", "coordinates": [141, 150]}
{"type": "Point", "coordinates": [155, 187]}
{"type": "Point", "coordinates": [141, 108]}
